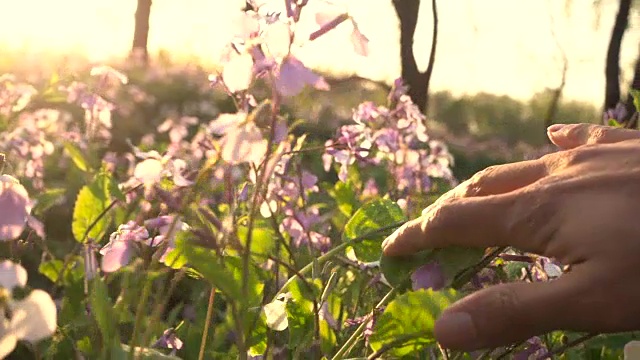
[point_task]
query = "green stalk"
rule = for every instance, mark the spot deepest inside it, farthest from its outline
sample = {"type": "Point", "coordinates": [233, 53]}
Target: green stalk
{"type": "Point", "coordinates": [346, 347]}
{"type": "Point", "coordinates": [331, 253]}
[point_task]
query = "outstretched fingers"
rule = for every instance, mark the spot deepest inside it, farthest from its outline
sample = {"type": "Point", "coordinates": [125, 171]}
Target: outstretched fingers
{"type": "Point", "coordinates": [523, 219]}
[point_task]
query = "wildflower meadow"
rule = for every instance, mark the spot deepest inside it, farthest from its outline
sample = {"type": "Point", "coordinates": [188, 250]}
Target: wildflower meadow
{"type": "Point", "coordinates": [233, 233]}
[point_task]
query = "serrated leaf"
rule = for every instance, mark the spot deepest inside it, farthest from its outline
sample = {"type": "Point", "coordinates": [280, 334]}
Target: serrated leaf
{"type": "Point", "coordinates": [91, 202]}
{"type": "Point", "coordinates": [371, 217]}
{"type": "Point", "coordinates": [76, 156]}
{"type": "Point", "coordinates": [407, 322]}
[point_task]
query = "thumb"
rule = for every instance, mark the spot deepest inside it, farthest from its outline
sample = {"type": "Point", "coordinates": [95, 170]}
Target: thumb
{"type": "Point", "coordinates": [508, 313]}
{"type": "Point", "coordinates": [568, 136]}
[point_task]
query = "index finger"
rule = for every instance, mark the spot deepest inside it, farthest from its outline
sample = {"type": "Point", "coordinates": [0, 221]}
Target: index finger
{"type": "Point", "coordinates": [523, 219]}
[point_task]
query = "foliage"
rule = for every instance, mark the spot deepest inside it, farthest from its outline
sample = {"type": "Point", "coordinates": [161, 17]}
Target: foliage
{"type": "Point", "coordinates": [161, 233]}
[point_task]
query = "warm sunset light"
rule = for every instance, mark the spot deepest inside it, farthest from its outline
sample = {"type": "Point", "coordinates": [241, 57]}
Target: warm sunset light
{"type": "Point", "coordinates": [319, 179]}
{"type": "Point", "coordinates": [485, 45]}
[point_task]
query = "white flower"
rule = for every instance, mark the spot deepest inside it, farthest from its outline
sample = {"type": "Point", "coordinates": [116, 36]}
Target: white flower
{"type": "Point", "coordinates": [31, 319]}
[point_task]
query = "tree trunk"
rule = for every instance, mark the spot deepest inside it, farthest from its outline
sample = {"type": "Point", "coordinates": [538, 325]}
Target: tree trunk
{"type": "Point", "coordinates": [612, 71]}
{"type": "Point", "coordinates": [141, 32]}
{"type": "Point", "coordinates": [418, 82]}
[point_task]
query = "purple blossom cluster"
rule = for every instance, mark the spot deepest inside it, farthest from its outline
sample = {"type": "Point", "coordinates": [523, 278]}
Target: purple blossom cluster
{"type": "Point", "coordinates": [395, 136]}
{"type": "Point", "coordinates": [131, 239]}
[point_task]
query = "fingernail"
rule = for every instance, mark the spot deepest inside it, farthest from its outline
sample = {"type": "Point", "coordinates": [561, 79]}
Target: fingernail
{"type": "Point", "coordinates": [456, 330]}
{"type": "Point", "coordinates": [555, 127]}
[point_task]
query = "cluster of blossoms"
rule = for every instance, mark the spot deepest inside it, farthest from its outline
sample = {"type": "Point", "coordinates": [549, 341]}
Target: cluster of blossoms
{"type": "Point", "coordinates": [98, 110]}
{"type": "Point", "coordinates": [31, 142]}
{"type": "Point", "coordinates": [396, 137]}
{"type": "Point", "coordinates": [287, 193]}
{"type": "Point", "coordinates": [131, 239]}
{"type": "Point", "coordinates": [14, 96]}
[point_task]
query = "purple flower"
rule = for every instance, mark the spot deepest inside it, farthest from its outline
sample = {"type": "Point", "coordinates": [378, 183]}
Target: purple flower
{"type": "Point", "coordinates": [122, 245]}
{"type": "Point", "coordinates": [15, 207]}
{"type": "Point", "coordinates": [169, 340]}
{"type": "Point", "coordinates": [618, 114]}
{"type": "Point", "coordinates": [534, 347]}
{"type": "Point", "coordinates": [298, 224]}
{"type": "Point", "coordinates": [428, 276]}
{"type": "Point", "coordinates": [293, 77]}
{"type": "Point", "coordinates": [163, 225]}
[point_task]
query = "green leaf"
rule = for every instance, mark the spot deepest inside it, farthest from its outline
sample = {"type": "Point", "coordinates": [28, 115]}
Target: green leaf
{"type": "Point", "coordinates": [48, 199]}
{"type": "Point", "coordinates": [92, 200]}
{"type": "Point", "coordinates": [371, 217]}
{"type": "Point", "coordinates": [452, 260]}
{"type": "Point", "coordinates": [176, 259]}
{"type": "Point", "coordinates": [398, 269]}
{"type": "Point", "coordinates": [76, 156]}
{"type": "Point", "coordinates": [345, 197]}
{"type": "Point", "coordinates": [207, 263]}
{"type": "Point", "coordinates": [614, 123]}
{"type": "Point", "coordinates": [407, 322]}
{"type": "Point", "coordinates": [263, 240]}
{"type": "Point", "coordinates": [635, 93]}
{"type": "Point", "coordinates": [102, 311]}
{"type": "Point", "coordinates": [51, 269]}
{"type": "Point", "coordinates": [226, 275]}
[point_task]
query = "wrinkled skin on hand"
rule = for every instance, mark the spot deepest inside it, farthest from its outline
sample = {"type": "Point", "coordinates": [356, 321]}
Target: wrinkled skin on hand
{"type": "Point", "coordinates": [580, 205]}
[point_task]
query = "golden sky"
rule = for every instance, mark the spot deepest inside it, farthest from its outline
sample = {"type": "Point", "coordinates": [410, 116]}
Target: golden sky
{"type": "Point", "coordinates": [498, 46]}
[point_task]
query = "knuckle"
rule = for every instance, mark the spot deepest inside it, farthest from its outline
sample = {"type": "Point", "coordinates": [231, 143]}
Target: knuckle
{"type": "Point", "coordinates": [478, 182]}
{"type": "Point", "coordinates": [598, 135]}
{"type": "Point", "coordinates": [531, 219]}
{"type": "Point", "coordinates": [576, 131]}
{"type": "Point", "coordinates": [568, 158]}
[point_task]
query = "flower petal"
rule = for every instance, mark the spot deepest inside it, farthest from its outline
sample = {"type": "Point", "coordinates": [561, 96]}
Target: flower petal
{"type": "Point", "coordinates": [117, 256]}
{"type": "Point", "coordinates": [294, 76]}
{"type": "Point", "coordinates": [224, 122]}
{"type": "Point", "coordinates": [12, 275]}
{"type": "Point", "coordinates": [14, 209]}
{"type": "Point", "coordinates": [359, 41]}
{"type": "Point", "coordinates": [276, 313]}
{"type": "Point", "coordinates": [34, 318]}
{"type": "Point", "coordinates": [244, 144]}
{"type": "Point", "coordinates": [148, 171]}
{"type": "Point", "coordinates": [238, 73]}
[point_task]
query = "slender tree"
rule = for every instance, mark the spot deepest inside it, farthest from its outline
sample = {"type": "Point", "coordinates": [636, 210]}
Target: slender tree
{"type": "Point", "coordinates": [612, 69]}
{"type": "Point", "coordinates": [141, 31]}
{"type": "Point", "coordinates": [417, 81]}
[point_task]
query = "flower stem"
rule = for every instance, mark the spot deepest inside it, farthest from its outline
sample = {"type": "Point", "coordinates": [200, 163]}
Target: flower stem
{"type": "Point", "coordinates": [346, 347]}
{"type": "Point", "coordinates": [207, 322]}
{"type": "Point", "coordinates": [331, 253]}
{"type": "Point", "coordinates": [140, 314]}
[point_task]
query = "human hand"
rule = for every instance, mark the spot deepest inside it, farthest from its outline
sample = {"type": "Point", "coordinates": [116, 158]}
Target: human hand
{"type": "Point", "coordinates": [579, 206]}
